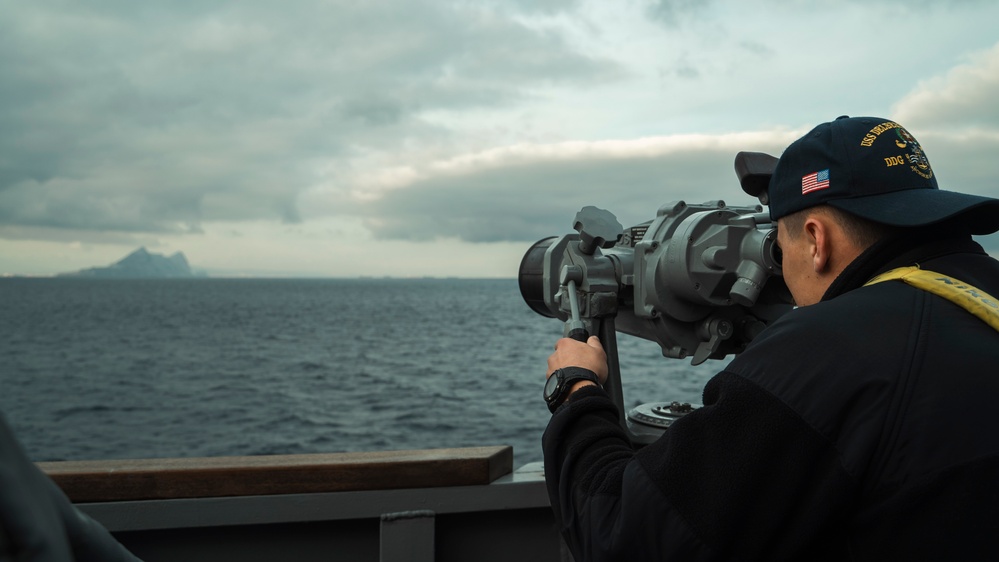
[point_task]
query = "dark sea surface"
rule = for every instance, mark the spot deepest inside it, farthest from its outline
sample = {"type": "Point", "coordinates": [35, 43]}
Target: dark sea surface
{"type": "Point", "coordinates": [98, 369]}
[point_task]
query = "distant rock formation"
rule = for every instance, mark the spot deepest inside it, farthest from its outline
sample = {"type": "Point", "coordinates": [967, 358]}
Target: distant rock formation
{"type": "Point", "coordinates": [141, 264]}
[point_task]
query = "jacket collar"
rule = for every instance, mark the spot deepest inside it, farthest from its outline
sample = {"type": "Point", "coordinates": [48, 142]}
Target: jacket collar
{"type": "Point", "coordinates": [906, 248]}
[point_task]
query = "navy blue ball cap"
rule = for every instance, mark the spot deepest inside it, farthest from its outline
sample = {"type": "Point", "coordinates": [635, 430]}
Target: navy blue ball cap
{"type": "Point", "coordinates": [875, 169]}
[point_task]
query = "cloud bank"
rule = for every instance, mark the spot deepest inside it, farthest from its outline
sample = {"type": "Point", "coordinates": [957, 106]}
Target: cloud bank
{"type": "Point", "coordinates": [224, 127]}
{"type": "Point", "coordinates": [144, 118]}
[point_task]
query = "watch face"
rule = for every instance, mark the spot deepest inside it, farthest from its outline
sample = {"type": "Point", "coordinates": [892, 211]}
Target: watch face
{"type": "Point", "coordinates": [551, 385]}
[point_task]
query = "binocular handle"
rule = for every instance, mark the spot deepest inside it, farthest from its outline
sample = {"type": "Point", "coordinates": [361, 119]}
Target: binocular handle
{"type": "Point", "coordinates": [576, 329]}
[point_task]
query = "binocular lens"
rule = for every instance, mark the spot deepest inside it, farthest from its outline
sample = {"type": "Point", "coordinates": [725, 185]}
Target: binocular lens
{"type": "Point", "coordinates": [532, 274]}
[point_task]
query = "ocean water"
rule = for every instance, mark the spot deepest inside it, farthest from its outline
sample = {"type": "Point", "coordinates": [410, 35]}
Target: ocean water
{"type": "Point", "coordinates": [100, 369]}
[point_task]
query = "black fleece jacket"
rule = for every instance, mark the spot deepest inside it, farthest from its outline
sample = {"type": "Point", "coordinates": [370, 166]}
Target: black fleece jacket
{"type": "Point", "coordinates": [37, 521]}
{"type": "Point", "coordinates": [864, 427]}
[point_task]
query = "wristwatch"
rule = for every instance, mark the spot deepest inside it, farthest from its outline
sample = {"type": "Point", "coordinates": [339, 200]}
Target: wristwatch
{"type": "Point", "coordinates": [559, 383]}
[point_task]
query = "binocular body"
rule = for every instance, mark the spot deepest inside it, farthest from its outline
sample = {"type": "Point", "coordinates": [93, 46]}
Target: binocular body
{"type": "Point", "coordinates": [700, 280]}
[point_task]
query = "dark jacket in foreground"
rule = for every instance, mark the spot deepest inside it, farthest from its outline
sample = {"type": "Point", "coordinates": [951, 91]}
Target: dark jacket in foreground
{"type": "Point", "coordinates": [864, 427]}
{"type": "Point", "coordinates": [37, 521]}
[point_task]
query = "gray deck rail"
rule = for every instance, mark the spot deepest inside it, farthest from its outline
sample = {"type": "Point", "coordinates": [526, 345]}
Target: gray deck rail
{"type": "Point", "coordinates": [420, 506]}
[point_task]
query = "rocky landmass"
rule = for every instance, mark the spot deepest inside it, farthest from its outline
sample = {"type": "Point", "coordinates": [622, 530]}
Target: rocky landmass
{"type": "Point", "coordinates": [141, 264]}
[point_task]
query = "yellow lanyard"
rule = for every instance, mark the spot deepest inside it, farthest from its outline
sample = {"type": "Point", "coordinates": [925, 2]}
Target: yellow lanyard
{"type": "Point", "coordinates": [975, 301]}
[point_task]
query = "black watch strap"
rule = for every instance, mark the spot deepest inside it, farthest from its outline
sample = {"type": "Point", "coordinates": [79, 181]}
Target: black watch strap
{"type": "Point", "coordinates": [558, 391]}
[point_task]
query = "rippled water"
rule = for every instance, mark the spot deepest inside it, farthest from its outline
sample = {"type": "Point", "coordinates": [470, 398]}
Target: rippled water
{"type": "Point", "coordinates": [177, 368]}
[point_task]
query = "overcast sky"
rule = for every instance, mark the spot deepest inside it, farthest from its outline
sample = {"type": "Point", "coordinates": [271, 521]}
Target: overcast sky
{"type": "Point", "coordinates": [423, 137]}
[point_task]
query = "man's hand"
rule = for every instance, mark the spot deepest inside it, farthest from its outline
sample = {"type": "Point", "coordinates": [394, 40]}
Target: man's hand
{"type": "Point", "coordinates": [572, 353]}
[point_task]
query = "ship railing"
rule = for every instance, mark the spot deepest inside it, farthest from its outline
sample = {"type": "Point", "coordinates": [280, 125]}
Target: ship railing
{"type": "Point", "coordinates": [386, 506]}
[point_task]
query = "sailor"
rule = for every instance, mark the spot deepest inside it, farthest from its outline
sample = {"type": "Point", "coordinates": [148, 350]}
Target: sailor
{"type": "Point", "coordinates": [859, 426]}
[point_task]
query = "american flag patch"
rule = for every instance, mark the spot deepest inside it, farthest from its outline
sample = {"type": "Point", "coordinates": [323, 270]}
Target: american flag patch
{"type": "Point", "coordinates": [815, 181]}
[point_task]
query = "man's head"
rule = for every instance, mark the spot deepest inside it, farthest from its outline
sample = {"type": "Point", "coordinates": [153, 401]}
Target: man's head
{"type": "Point", "coordinates": [848, 183]}
{"type": "Point", "coordinates": [817, 243]}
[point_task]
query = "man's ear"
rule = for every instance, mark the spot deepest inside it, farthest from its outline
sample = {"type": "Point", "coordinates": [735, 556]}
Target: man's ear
{"type": "Point", "coordinates": [817, 235]}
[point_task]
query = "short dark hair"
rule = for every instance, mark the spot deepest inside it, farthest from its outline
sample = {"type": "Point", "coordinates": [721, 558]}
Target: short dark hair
{"type": "Point", "coordinates": [862, 232]}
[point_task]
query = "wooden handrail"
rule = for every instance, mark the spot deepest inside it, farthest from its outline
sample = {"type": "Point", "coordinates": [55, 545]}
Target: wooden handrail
{"type": "Point", "coordinates": [200, 477]}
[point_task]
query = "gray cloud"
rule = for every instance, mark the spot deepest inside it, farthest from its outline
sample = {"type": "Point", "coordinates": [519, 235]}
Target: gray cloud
{"type": "Point", "coordinates": [154, 118]}
{"type": "Point", "coordinates": [126, 239]}
{"type": "Point", "coordinates": [676, 12]}
{"type": "Point", "coordinates": [136, 118]}
{"type": "Point", "coordinates": [963, 99]}
{"type": "Point", "coordinates": [956, 120]}
{"type": "Point", "coordinates": [528, 200]}
{"type": "Point", "coordinates": [757, 48]}
{"type": "Point", "coordinates": [544, 6]}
